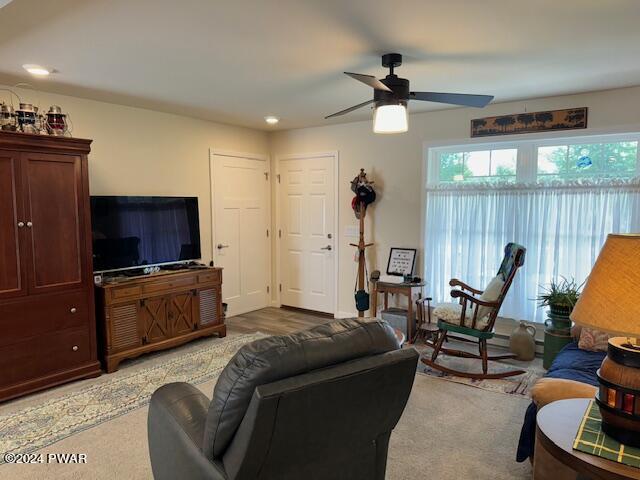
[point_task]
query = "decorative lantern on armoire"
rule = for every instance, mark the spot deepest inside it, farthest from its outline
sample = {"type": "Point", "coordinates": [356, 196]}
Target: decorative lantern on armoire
{"type": "Point", "coordinates": [56, 121]}
{"type": "Point", "coordinates": [7, 118]}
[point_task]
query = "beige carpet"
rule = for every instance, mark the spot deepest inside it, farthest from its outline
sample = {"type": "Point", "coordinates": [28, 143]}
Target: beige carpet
{"type": "Point", "coordinates": [454, 431]}
{"type": "Point", "coordinates": [448, 431]}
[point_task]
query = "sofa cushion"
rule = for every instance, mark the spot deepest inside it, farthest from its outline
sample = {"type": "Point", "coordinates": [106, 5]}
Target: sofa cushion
{"type": "Point", "coordinates": [571, 363]}
{"type": "Point", "coordinates": [274, 358]}
{"type": "Point", "coordinates": [548, 390]}
{"type": "Point", "coordinates": [593, 340]}
{"type": "Point", "coordinates": [574, 363]}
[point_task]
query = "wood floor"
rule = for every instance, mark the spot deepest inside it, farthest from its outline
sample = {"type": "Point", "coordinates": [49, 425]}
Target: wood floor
{"type": "Point", "coordinates": [275, 321]}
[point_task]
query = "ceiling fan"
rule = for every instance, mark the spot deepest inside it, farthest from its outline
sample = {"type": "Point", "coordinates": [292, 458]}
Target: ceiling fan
{"type": "Point", "coordinates": [391, 94]}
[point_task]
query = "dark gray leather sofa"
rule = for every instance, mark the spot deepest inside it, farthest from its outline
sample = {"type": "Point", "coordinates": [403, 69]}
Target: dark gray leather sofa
{"type": "Point", "coordinates": [320, 404]}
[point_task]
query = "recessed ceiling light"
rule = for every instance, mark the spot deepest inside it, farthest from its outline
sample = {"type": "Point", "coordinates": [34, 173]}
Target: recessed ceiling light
{"type": "Point", "coordinates": [271, 120]}
{"type": "Point", "coordinates": [37, 70]}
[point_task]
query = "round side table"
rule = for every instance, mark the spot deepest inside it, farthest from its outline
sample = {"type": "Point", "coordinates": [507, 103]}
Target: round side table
{"type": "Point", "coordinates": [557, 425]}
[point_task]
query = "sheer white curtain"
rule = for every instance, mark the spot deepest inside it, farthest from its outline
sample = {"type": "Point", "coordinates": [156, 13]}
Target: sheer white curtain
{"type": "Point", "coordinates": [563, 228]}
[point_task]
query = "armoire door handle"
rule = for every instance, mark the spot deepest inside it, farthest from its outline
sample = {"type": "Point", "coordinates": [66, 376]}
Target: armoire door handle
{"type": "Point", "coordinates": [20, 224]}
{"type": "Point", "coordinates": [29, 224]}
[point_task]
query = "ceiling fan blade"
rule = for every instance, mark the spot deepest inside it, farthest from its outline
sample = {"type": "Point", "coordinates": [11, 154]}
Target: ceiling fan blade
{"type": "Point", "coordinates": [477, 101]}
{"type": "Point", "coordinates": [350, 109]}
{"type": "Point", "coordinates": [370, 80]}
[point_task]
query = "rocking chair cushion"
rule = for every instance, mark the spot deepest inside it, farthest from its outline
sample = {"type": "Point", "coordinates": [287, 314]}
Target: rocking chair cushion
{"type": "Point", "coordinates": [451, 313]}
{"type": "Point", "coordinates": [491, 294]}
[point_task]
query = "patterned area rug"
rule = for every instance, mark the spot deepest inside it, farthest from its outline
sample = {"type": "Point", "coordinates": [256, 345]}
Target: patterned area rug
{"type": "Point", "coordinates": [518, 385]}
{"type": "Point", "coordinates": [32, 428]}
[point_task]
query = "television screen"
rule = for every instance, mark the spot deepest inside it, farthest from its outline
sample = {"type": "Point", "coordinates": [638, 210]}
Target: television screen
{"type": "Point", "coordinates": [133, 232]}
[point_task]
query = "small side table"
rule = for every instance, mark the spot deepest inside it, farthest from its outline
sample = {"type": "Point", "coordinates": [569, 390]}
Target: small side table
{"type": "Point", "coordinates": [404, 288]}
{"type": "Point", "coordinates": [557, 426]}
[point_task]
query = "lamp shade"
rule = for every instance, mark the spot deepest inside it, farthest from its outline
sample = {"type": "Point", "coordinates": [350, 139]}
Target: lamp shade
{"type": "Point", "coordinates": [390, 119]}
{"type": "Point", "coordinates": [609, 301]}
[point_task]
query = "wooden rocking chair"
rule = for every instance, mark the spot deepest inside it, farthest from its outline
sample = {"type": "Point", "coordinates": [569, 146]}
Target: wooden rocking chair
{"type": "Point", "coordinates": [476, 318]}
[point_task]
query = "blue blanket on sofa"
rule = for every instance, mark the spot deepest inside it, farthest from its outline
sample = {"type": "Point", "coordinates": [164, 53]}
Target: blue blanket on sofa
{"type": "Point", "coordinates": [571, 363]}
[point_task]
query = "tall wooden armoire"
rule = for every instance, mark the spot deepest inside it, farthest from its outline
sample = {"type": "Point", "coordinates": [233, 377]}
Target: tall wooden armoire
{"type": "Point", "coordinates": [47, 317]}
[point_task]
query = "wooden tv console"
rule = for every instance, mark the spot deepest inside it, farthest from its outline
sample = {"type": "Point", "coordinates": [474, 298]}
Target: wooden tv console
{"type": "Point", "coordinates": [158, 311]}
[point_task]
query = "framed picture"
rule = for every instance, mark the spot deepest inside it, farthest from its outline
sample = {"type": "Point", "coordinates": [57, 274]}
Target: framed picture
{"type": "Point", "coordinates": [530, 122]}
{"type": "Point", "coordinates": [401, 261]}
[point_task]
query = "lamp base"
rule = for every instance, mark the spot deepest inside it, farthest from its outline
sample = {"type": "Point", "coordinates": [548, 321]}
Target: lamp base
{"type": "Point", "coordinates": [619, 394]}
{"type": "Point", "coordinates": [633, 344]}
{"type": "Point", "coordinates": [626, 437]}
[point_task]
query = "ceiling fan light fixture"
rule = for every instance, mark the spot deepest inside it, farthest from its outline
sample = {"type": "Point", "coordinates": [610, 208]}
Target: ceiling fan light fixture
{"type": "Point", "coordinates": [36, 70]}
{"type": "Point", "coordinates": [390, 118]}
{"type": "Point", "coordinates": [271, 120]}
{"type": "Point", "coordinates": [391, 94]}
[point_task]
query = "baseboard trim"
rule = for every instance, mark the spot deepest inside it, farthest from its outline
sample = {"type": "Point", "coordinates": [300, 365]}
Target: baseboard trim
{"type": "Point", "coordinates": [307, 311]}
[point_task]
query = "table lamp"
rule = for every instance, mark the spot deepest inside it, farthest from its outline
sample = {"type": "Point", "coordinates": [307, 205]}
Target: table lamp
{"type": "Point", "coordinates": [610, 302]}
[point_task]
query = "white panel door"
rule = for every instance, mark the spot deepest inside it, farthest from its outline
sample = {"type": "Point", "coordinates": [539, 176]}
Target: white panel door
{"type": "Point", "coordinates": [307, 243]}
{"type": "Point", "coordinates": [241, 222]}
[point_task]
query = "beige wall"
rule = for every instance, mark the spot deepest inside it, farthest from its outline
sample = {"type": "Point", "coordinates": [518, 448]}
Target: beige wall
{"type": "Point", "coordinates": [395, 163]}
{"type": "Point", "coordinates": [137, 151]}
{"type": "Point", "coordinates": [143, 152]}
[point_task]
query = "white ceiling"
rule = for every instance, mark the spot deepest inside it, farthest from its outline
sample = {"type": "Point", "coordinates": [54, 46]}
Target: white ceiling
{"type": "Point", "coordinates": [235, 61]}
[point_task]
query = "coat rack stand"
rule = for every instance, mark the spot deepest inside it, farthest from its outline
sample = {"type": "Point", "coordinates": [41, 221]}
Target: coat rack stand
{"type": "Point", "coordinates": [364, 196]}
{"type": "Point", "coordinates": [362, 278]}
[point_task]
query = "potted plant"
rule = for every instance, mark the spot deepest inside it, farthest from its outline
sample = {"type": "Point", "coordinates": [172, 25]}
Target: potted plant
{"type": "Point", "coordinates": [560, 296]}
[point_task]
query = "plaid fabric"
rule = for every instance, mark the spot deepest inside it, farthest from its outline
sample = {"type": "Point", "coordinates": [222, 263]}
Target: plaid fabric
{"type": "Point", "coordinates": [590, 439]}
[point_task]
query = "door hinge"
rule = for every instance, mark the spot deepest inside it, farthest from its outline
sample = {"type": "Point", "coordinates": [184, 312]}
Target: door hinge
{"type": "Point", "coordinates": [279, 233]}
{"type": "Point", "coordinates": [266, 176]}
{"type": "Point", "coordinates": [280, 287]}
{"type": "Point", "coordinates": [278, 178]}
{"type": "Point", "coordinates": [267, 233]}
{"type": "Point", "coordinates": [267, 288]}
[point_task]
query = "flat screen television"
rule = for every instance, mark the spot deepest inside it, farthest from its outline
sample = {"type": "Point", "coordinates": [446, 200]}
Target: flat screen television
{"type": "Point", "coordinates": [134, 232]}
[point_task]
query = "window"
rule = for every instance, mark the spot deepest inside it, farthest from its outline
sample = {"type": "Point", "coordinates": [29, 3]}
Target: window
{"type": "Point", "coordinates": [616, 159]}
{"type": "Point", "coordinates": [559, 198]}
{"type": "Point", "coordinates": [479, 165]}
{"type": "Point", "coordinates": [531, 162]}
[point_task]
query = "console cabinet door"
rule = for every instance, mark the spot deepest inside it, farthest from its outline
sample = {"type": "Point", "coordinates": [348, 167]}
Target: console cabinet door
{"type": "Point", "coordinates": [12, 228]}
{"type": "Point", "coordinates": [181, 313]}
{"type": "Point", "coordinates": [154, 317]}
{"type": "Point", "coordinates": [210, 306]}
{"type": "Point", "coordinates": [54, 208]}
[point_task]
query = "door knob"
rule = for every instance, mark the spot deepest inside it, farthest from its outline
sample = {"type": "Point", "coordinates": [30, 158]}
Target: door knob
{"type": "Point", "coordinates": [221, 246]}
{"type": "Point", "coordinates": [29, 224]}
{"type": "Point", "coordinates": [328, 247]}
{"type": "Point", "coordinates": [74, 348]}
{"type": "Point", "coordinates": [20, 224]}
{"type": "Point", "coordinates": [73, 310]}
